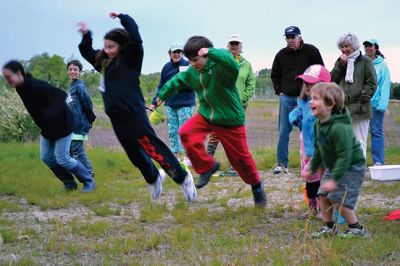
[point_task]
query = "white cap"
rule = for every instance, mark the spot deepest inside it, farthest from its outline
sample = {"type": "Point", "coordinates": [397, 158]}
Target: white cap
{"type": "Point", "coordinates": [176, 46]}
{"type": "Point", "coordinates": [235, 38]}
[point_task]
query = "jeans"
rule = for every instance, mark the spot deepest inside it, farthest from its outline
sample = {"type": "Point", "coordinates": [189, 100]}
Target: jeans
{"type": "Point", "coordinates": [286, 105]}
{"type": "Point", "coordinates": [56, 152]}
{"type": "Point", "coordinates": [77, 152]}
{"type": "Point", "coordinates": [377, 137]}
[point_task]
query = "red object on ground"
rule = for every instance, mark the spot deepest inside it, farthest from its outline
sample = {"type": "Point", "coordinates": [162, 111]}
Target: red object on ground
{"type": "Point", "coordinates": [394, 215]}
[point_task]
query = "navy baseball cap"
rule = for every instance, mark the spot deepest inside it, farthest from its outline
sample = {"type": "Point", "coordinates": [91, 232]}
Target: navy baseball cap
{"type": "Point", "coordinates": [292, 30]}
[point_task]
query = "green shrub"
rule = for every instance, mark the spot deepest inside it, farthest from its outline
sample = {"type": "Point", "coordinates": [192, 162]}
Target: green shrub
{"type": "Point", "coordinates": [16, 124]}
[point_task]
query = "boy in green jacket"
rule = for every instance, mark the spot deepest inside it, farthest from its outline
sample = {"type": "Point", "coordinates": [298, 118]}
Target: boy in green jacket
{"type": "Point", "coordinates": [338, 151]}
{"type": "Point", "coordinates": [212, 74]}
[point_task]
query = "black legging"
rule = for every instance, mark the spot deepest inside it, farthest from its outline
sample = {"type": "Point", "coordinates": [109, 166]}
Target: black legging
{"type": "Point", "coordinates": [141, 144]}
{"type": "Point", "coordinates": [312, 189]}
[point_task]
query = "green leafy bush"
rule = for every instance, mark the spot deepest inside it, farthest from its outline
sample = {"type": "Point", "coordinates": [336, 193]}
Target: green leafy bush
{"type": "Point", "coordinates": [16, 124]}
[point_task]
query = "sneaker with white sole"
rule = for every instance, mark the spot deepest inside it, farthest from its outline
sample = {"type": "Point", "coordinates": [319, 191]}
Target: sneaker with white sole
{"type": "Point", "coordinates": [189, 190]}
{"type": "Point", "coordinates": [187, 161]}
{"type": "Point", "coordinates": [156, 187]}
{"type": "Point", "coordinates": [279, 169]}
{"type": "Point", "coordinates": [324, 231]}
{"type": "Point", "coordinates": [353, 233]}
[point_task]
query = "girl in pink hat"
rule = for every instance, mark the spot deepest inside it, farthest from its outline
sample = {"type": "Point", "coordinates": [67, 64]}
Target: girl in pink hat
{"type": "Point", "coordinates": [302, 117]}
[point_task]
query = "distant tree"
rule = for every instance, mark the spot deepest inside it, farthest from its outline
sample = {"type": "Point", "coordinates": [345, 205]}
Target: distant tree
{"type": "Point", "coordinates": [395, 93]}
{"type": "Point", "coordinates": [148, 84]}
{"type": "Point", "coordinates": [91, 80]}
{"type": "Point", "coordinates": [49, 68]}
{"type": "Point", "coordinates": [264, 87]}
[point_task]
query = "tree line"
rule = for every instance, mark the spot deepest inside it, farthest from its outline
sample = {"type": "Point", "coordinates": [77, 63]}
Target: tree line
{"type": "Point", "coordinates": [53, 69]}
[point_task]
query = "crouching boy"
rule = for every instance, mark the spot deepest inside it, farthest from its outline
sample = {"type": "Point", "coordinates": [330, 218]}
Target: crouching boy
{"type": "Point", "coordinates": [338, 151]}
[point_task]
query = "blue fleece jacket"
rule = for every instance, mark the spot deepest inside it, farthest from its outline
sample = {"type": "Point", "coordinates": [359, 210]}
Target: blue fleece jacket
{"type": "Point", "coordinates": [79, 102]}
{"type": "Point", "coordinates": [380, 100]}
{"type": "Point", "coordinates": [302, 117]}
{"type": "Point", "coordinates": [184, 97]}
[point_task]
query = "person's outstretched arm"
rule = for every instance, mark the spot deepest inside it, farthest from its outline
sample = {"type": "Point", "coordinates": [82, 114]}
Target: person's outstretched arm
{"type": "Point", "coordinates": [134, 50]}
{"type": "Point", "coordinates": [85, 47]}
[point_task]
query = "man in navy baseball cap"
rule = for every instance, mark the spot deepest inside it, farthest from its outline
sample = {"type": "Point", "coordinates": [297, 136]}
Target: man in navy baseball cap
{"type": "Point", "coordinates": [292, 31]}
{"type": "Point", "coordinates": [290, 62]}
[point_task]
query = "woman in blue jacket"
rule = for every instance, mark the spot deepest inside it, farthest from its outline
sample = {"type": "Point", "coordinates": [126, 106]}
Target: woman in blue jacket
{"type": "Point", "coordinates": [180, 106]}
{"type": "Point", "coordinates": [379, 101]}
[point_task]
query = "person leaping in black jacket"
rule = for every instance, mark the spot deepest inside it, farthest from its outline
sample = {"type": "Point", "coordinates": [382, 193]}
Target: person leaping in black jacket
{"type": "Point", "coordinates": [120, 62]}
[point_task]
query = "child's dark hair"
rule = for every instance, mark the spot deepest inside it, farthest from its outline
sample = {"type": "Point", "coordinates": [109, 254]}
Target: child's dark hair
{"type": "Point", "coordinates": [75, 63]}
{"type": "Point", "coordinates": [332, 95]}
{"type": "Point", "coordinates": [120, 36]}
{"type": "Point", "coordinates": [15, 67]}
{"type": "Point", "coordinates": [194, 44]}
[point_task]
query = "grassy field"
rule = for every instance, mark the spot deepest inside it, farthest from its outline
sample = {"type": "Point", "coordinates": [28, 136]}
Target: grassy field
{"type": "Point", "coordinates": [41, 224]}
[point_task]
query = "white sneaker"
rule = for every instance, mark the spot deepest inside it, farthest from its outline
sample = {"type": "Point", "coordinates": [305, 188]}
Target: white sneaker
{"type": "Point", "coordinates": [189, 190]}
{"type": "Point", "coordinates": [279, 168]}
{"type": "Point", "coordinates": [156, 187]}
{"type": "Point", "coordinates": [187, 161]}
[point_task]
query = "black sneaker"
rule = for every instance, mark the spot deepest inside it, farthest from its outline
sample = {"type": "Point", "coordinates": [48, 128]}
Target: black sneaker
{"type": "Point", "coordinates": [260, 199]}
{"type": "Point", "coordinates": [205, 177]}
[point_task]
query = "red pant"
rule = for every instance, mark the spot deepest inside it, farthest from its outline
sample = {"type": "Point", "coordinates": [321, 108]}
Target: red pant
{"type": "Point", "coordinates": [193, 135]}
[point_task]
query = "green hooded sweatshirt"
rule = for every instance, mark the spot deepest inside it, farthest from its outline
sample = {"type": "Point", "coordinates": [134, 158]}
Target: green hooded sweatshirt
{"type": "Point", "coordinates": [219, 99]}
{"type": "Point", "coordinates": [246, 81]}
{"type": "Point", "coordinates": [336, 147]}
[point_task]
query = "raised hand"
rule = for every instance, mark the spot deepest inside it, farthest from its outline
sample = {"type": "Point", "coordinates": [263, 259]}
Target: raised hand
{"type": "Point", "coordinates": [203, 52]}
{"type": "Point", "coordinates": [83, 28]}
{"type": "Point", "coordinates": [343, 59]}
{"type": "Point", "coordinates": [159, 101]}
{"type": "Point", "coordinates": [113, 15]}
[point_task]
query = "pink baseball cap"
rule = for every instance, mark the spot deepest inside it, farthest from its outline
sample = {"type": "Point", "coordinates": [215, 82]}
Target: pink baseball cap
{"type": "Point", "coordinates": [315, 73]}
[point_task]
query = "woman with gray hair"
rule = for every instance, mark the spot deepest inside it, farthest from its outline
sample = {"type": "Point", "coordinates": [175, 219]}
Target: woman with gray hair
{"type": "Point", "coordinates": [356, 75]}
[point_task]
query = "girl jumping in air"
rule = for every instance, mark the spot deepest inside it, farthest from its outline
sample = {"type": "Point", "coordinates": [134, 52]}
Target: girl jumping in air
{"type": "Point", "coordinates": [120, 62]}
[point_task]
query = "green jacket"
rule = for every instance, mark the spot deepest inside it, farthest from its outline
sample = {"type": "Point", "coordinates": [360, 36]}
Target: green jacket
{"type": "Point", "coordinates": [336, 147]}
{"type": "Point", "coordinates": [246, 81]}
{"type": "Point", "coordinates": [359, 93]}
{"type": "Point", "coordinates": [219, 99]}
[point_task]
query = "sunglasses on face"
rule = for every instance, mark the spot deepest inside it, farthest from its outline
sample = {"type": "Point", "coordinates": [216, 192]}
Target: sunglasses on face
{"type": "Point", "coordinates": [368, 45]}
{"type": "Point", "coordinates": [234, 43]}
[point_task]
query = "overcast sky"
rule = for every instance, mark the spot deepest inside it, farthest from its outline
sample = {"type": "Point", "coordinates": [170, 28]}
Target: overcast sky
{"type": "Point", "coordinates": [32, 27]}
